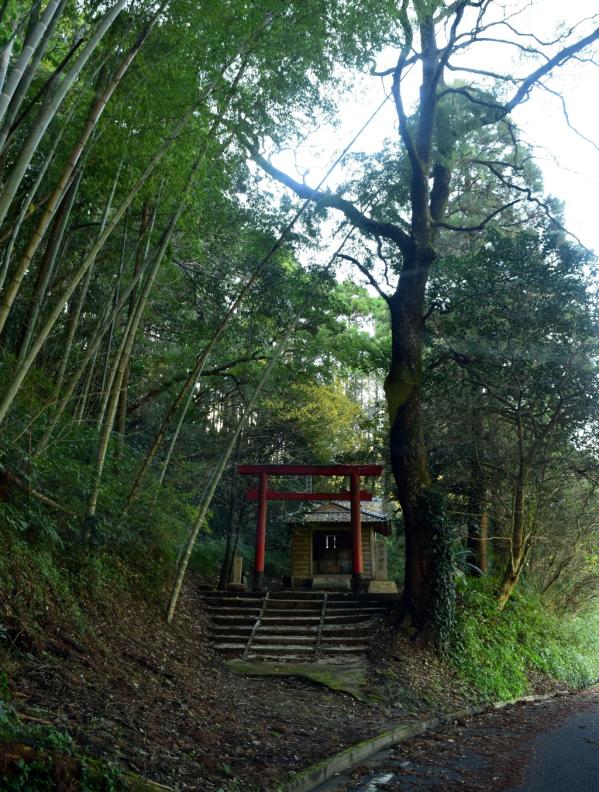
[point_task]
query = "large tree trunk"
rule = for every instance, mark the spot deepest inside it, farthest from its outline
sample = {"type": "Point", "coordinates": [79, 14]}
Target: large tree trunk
{"type": "Point", "coordinates": [406, 437]}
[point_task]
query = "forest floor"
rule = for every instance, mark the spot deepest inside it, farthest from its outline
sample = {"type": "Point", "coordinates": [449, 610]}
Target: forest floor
{"type": "Point", "coordinates": [157, 700]}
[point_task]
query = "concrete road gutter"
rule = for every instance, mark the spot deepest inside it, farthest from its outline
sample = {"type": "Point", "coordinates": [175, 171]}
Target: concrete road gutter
{"type": "Point", "coordinates": [322, 771]}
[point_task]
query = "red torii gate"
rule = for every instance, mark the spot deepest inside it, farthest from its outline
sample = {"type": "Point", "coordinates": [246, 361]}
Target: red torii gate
{"type": "Point", "coordinates": [355, 495]}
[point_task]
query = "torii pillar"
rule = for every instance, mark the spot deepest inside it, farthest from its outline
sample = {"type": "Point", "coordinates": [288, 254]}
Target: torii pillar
{"type": "Point", "coordinates": [260, 553]}
{"type": "Point", "coordinates": [356, 532]}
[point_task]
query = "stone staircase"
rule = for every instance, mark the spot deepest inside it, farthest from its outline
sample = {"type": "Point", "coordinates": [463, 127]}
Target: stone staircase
{"type": "Point", "coordinates": [294, 626]}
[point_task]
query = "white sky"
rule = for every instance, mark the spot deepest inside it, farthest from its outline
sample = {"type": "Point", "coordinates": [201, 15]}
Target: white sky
{"type": "Point", "coordinates": [570, 165]}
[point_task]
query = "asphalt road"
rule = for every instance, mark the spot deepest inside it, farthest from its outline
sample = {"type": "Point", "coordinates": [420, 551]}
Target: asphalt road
{"type": "Point", "coordinates": [565, 758]}
{"type": "Point", "coordinates": [550, 746]}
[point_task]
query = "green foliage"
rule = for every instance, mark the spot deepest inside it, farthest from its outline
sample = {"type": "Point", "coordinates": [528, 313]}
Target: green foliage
{"type": "Point", "coordinates": [396, 558]}
{"type": "Point", "coordinates": [41, 757]}
{"type": "Point", "coordinates": [207, 556]}
{"type": "Point", "coordinates": [498, 651]}
{"type": "Point", "coordinates": [324, 417]}
{"type": "Point", "coordinates": [32, 580]}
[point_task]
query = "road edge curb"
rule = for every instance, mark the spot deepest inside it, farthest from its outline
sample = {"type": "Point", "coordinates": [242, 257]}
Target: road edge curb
{"type": "Point", "coordinates": [310, 778]}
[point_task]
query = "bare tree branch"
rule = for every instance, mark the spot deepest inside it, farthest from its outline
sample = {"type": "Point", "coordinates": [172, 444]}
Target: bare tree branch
{"type": "Point", "coordinates": [563, 56]}
{"type": "Point", "coordinates": [396, 88]}
{"type": "Point", "coordinates": [551, 43]}
{"type": "Point", "coordinates": [567, 117]}
{"type": "Point", "coordinates": [367, 224]}
{"type": "Point", "coordinates": [480, 226]}
{"type": "Point", "coordinates": [531, 198]}
{"type": "Point", "coordinates": [366, 272]}
{"type": "Point", "coordinates": [484, 73]}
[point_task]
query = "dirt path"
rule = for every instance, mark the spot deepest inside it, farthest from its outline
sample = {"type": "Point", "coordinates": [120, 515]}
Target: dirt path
{"type": "Point", "coordinates": [550, 746]}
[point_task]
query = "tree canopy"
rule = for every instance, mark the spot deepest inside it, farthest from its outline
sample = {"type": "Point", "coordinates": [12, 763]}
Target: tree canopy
{"type": "Point", "coordinates": [169, 305]}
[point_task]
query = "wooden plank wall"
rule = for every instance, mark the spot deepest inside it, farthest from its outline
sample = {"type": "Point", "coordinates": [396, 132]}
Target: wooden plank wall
{"type": "Point", "coordinates": [301, 552]}
{"type": "Point", "coordinates": [301, 549]}
{"type": "Point", "coordinates": [367, 551]}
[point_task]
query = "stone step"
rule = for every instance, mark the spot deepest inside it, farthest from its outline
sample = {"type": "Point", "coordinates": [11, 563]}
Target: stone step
{"type": "Point", "coordinates": [346, 608]}
{"type": "Point", "coordinates": [332, 583]}
{"type": "Point", "coordinates": [339, 649]}
{"type": "Point", "coordinates": [332, 631]}
{"type": "Point", "coordinates": [299, 640]}
{"type": "Point", "coordinates": [233, 599]}
{"type": "Point", "coordinates": [277, 658]}
{"type": "Point", "coordinates": [240, 620]}
{"type": "Point", "coordinates": [332, 620]}
{"type": "Point", "coordinates": [301, 594]}
{"type": "Point", "coordinates": [289, 621]}
{"type": "Point", "coordinates": [229, 634]}
{"type": "Point", "coordinates": [293, 613]}
{"type": "Point", "coordinates": [232, 611]}
{"type": "Point", "coordinates": [273, 657]}
{"type": "Point", "coordinates": [291, 627]}
{"type": "Point", "coordinates": [292, 640]}
{"type": "Point", "coordinates": [229, 646]}
{"type": "Point", "coordinates": [355, 608]}
{"type": "Point", "coordinates": [343, 612]}
{"type": "Point", "coordinates": [284, 631]}
{"type": "Point", "coordinates": [330, 616]}
{"type": "Point", "coordinates": [232, 629]}
{"type": "Point", "coordinates": [261, 651]}
{"type": "Point", "coordinates": [281, 649]}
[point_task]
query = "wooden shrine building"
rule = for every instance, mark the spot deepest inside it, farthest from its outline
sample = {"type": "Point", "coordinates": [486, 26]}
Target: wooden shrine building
{"type": "Point", "coordinates": [321, 546]}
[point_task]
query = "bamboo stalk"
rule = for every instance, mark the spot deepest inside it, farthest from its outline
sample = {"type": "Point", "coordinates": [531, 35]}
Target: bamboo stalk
{"type": "Point", "coordinates": [50, 108]}
{"type": "Point", "coordinates": [103, 325]}
{"type": "Point", "coordinates": [22, 370]}
{"type": "Point", "coordinates": [27, 204]}
{"type": "Point", "coordinates": [28, 75]}
{"type": "Point", "coordinates": [47, 267]}
{"type": "Point", "coordinates": [218, 471]}
{"type": "Point", "coordinates": [124, 353]}
{"type": "Point", "coordinates": [84, 290]}
{"type": "Point", "coordinates": [32, 42]}
{"type": "Point", "coordinates": [57, 194]}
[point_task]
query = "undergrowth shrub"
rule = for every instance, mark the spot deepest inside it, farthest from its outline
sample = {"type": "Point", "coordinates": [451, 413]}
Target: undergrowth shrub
{"type": "Point", "coordinates": [497, 650]}
{"type": "Point", "coordinates": [37, 758]}
{"type": "Point", "coordinates": [45, 572]}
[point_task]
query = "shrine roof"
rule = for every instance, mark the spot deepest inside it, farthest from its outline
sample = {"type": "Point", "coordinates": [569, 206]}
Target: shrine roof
{"type": "Point", "coordinates": [340, 511]}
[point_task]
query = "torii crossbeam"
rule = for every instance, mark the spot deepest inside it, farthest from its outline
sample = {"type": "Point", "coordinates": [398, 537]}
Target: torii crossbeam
{"type": "Point", "coordinates": [355, 495]}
